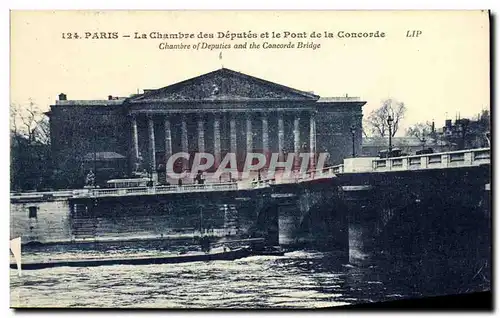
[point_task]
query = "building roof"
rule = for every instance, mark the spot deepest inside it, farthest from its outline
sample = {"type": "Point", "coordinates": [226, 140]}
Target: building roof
{"type": "Point", "coordinates": [399, 142]}
{"type": "Point", "coordinates": [339, 99]}
{"type": "Point", "coordinates": [396, 141]}
{"type": "Point", "coordinates": [223, 84]}
{"type": "Point", "coordinates": [91, 102]}
{"type": "Point", "coordinates": [102, 156]}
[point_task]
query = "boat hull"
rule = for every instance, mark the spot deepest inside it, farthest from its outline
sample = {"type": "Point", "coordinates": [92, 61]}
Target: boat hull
{"type": "Point", "coordinates": [222, 256]}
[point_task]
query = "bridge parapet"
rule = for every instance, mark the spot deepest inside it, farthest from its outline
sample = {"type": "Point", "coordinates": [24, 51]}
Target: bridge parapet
{"type": "Point", "coordinates": [295, 177]}
{"type": "Point", "coordinates": [162, 189]}
{"type": "Point", "coordinates": [116, 192]}
{"type": "Point", "coordinates": [454, 159]}
{"type": "Point", "coordinates": [326, 172]}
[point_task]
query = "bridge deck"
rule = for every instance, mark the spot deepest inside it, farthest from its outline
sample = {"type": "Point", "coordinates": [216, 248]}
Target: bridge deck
{"type": "Point", "coordinates": [445, 160]}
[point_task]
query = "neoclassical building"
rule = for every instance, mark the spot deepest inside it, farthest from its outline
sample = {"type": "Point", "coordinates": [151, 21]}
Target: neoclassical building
{"type": "Point", "coordinates": [218, 112]}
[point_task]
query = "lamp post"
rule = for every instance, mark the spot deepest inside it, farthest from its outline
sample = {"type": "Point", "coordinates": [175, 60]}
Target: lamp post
{"type": "Point", "coordinates": [423, 140]}
{"type": "Point", "coordinates": [94, 143]}
{"type": "Point", "coordinates": [462, 131]}
{"type": "Point", "coordinates": [389, 123]}
{"type": "Point", "coordinates": [488, 136]}
{"type": "Point", "coordinates": [353, 133]}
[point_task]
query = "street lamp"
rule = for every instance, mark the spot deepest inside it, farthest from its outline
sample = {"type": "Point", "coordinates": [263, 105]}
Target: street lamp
{"type": "Point", "coordinates": [94, 143]}
{"type": "Point", "coordinates": [488, 136]}
{"type": "Point", "coordinates": [389, 123]}
{"type": "Point", "coordinates": [423, 140]}
{"type": "Point", "coordinates": [353, 132]}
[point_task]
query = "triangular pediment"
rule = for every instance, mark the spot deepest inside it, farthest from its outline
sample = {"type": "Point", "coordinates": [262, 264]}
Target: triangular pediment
{"type": "Point", "coordinates": [223, 85]}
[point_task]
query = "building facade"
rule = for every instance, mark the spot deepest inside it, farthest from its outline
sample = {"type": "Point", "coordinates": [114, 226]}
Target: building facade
{"type": "Point", "coordinates": [220, 112]}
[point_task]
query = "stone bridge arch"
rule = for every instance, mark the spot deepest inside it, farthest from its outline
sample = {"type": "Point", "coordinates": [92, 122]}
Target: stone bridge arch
{"type": "Point", "coordinates": [309, 214]}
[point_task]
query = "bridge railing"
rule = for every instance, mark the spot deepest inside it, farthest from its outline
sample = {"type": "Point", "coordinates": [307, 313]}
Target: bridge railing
{"type": "Point", "coordinates": [107, 192]}
{"type": "Point", "coordinates": [132, 191]}
{"type": "Point", "coordinates": [163, 189]}
{"type": "Point", "coordinates": [462, 158]}
{"type": "Point", "coordinates": [263, 183]}
{"type": "Point", "coordinates": [50, 193]}
{"type": "Point", "coordinates": [326, 172]}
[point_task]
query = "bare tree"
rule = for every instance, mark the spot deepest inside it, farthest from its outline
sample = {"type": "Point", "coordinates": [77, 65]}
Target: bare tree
{"type": "Point", "coordinates": [29, 122]}
{"type": "Point", "coordinates": [420, 130]}
{"type": "Point", "coordinates": [376, 122]}
{"type": "Point", "coordinates": [42, 130]}
{"type": "Point", "coordinates": [30, 150]}
{"type": "Point", "coordinates": [365, 135]}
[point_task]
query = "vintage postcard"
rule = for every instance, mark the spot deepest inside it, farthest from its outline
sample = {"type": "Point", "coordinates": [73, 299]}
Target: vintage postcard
{"type": "Point", "coordinates": [248, 159]}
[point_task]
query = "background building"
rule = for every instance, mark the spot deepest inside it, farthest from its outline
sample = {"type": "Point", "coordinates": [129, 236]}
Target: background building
{"type": "Point", "coordinates": [218, 112]}
{"type": "Point", "coordinates": [467, 133]}
{"type": "Point", "coordinates": [409, 145]}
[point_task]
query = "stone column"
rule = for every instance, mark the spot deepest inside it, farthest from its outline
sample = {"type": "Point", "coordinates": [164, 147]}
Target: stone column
{"type": "Point", "coordinates": [184, 140]}
{"type": "Point", "coordinates": [168, 140]}
{"type": "Point", "coordinates": [249, 134]}
{"type": "Point", "coordinates": [152, 148]}
{"type": "Point", "coordinates": [217, 147]}
{"type": "Point", "coordinates": [312, 140]}
{"type": "Point", "coordinates": [135, 140]}
{"type": "Point", "coordinates": [201, 134]}
{"type": "Point", "coordinates": [265, 140]}
{"type": "Point", "coordinates": [281, 135]}
{"type": "Point", "coordinates": [232, 133]}
{"type": "Point", "coordinates": [296, 140]}
{"type": "Point", "coordinates": [265, 134]}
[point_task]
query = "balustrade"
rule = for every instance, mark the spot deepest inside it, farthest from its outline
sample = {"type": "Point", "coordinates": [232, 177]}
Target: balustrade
{"type": "Point", "coordinates": [463, 158]}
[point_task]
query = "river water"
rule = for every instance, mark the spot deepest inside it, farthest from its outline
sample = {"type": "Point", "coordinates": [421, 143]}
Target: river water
{"type": "Point", "coordinates": [299, 279]}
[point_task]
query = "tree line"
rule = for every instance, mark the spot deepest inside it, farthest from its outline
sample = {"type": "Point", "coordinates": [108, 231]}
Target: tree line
{"type": "Point", "coordinates": [30, 164]}
{"type": "Point", "coordinates": [463, 133]}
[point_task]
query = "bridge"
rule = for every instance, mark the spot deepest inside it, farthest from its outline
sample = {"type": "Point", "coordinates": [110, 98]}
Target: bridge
{"type": "Point", "coordinates": [445, 160]}
{"type": "Point", "coordinates": [354, 206]}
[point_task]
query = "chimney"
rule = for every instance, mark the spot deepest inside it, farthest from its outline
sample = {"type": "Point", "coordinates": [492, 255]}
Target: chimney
{"type": "Point", "coordinates": [110, 97]}
{"type": "Point", "coordinates": [62, 96]}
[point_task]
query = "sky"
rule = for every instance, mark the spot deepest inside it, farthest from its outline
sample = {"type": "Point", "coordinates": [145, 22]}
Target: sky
{"type": "Point", "coordinates": [441, 73]}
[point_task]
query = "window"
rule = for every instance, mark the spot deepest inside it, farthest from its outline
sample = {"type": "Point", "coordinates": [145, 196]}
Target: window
{"type": "Point", "coordinates": [32, 211]}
